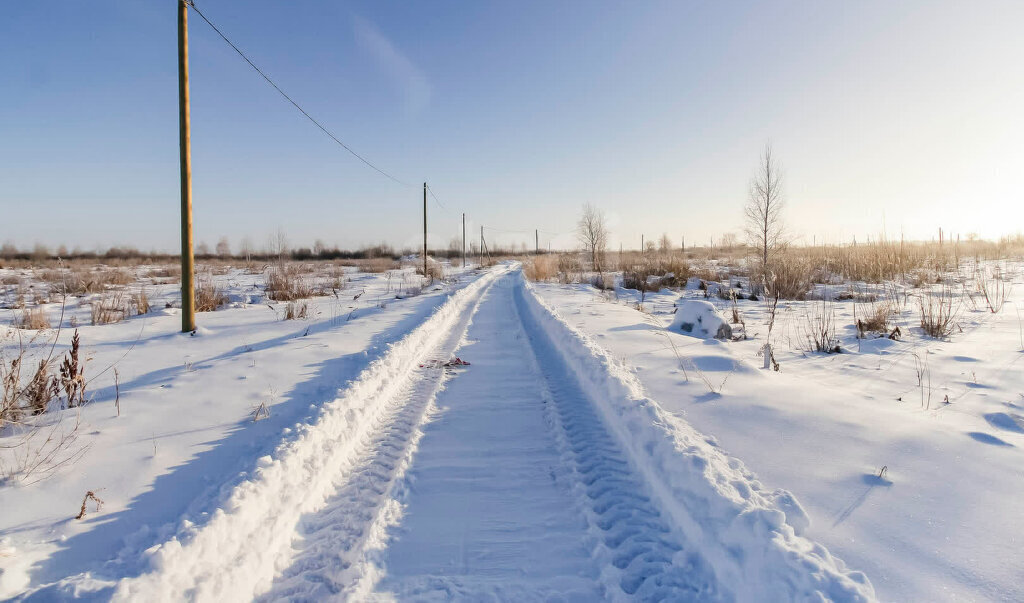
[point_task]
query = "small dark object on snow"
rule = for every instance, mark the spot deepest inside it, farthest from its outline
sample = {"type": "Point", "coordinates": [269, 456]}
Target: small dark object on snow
{"type": "Point", "coordinates": [896, 334]}
{"type": "Point", "coordinates": [881, 474]}
{"type": "Point", "coordinates": [703, 286]}
{"type": "Point", "coordinates": [444, 364]}
{"type": "Point", "coordinates": [88, 495]}
{"type": "Point", "coordinates": [946, 399]}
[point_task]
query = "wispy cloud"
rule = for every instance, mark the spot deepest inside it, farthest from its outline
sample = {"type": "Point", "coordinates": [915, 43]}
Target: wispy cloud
{"type": "Point", "coordinates": [407, 78]}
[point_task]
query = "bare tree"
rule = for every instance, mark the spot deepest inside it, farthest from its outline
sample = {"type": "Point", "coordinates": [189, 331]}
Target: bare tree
{"type": "Point", "coordinates": [764, 226]}
{"type": "Point", "coordinates": [592, 232]}
{"type": "Point", "coordinates": [664, 243]}
{"type": "Point", "coordinates": [277, 244]}
{"type": "Point", "coordinates": [223, 247]}
{"type": "Point", "coordinates": [245, 248]}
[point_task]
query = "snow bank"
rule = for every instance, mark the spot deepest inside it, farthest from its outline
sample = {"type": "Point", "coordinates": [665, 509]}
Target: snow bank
{"type": "Point", "coordinates": [236, 554]}
{"type": "Point", "coordinates": [750, 536]}
{"type": "Point", "coordinates": [700, 319]}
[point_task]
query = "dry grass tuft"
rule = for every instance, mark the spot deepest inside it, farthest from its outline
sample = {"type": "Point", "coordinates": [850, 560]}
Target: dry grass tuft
{"type": "Point", "coordinates": [285, 283]}
{"type": "Point", "coordinates": [939, 311]}
{"type": "Point", "coordinates": [296, 310]}
{"type": "Point", "coordinates": [32, 319]}
{"type": "Point", "coordinates": [111, 307]}
{"type": "Point", "coordinates": [875, 319]}
{"type": "Point", "coordinates": [209, 296]}
{"type": "Point", "coordinates": [541, 268]}
{"type": "Point", "coordinates": [140, 301]}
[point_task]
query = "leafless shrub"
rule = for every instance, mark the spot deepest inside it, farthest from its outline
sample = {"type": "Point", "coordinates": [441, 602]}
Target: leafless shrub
{"type": "Point", "coordinates": [993, 288]}
{"type": "Point", "coordinates": [434, 270]}
{"type": "Point", "coordinates": [939, 311]}
{"type": "Point", "coordinates": [43, 445]}
{"type": "Point", "coordinates": [820, 329]}
{"type": "Point", "coordinates": [31, 319]}
{"type": "Point", "coordinates": [603, 282]}
{"type": "Point", "coordinates": [570, 268]}
{"type": "Point", "coordinates": [40, 445]}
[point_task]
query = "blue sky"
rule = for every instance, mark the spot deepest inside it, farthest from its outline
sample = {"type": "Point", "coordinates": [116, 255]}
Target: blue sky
{"type": "Point", "coordinates": [904, 114]}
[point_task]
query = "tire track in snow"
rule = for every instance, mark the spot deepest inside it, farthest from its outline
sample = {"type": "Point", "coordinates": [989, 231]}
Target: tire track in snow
{"type": "Point", "coordinates": [237, 553]}
{"type": "Point", "coordinates": [504, 477]}
{"type": "Point", "coordinates": [337, 544]}
{"type": "Point", "coordinates": [644, 559]}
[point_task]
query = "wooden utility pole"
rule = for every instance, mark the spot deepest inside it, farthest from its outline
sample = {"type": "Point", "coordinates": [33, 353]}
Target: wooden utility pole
{"type": "Point", "coordinates": [463, 240]}
{"type": "Point", "coordinates": [536, 242]}
{"type": "Point", "coordinates": [424, 230]}
{"type": "Point", "coordinates": [188, 287]}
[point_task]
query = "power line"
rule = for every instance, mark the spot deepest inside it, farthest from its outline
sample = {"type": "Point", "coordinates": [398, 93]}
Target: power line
{"type": "Point", "coordinates": [278, 88]}
{"type": "Point", "coordinates": [430, 189]}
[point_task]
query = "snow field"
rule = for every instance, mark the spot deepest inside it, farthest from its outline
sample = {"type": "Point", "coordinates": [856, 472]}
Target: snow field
{"type": "Point", "coordinates": [184, 434]}
{"type": "Point", "coordinates": [942, 523]}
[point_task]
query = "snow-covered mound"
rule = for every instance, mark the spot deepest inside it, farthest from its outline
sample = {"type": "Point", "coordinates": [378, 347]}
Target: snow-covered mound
{"type": "Point", "coordinates": [700, 319]}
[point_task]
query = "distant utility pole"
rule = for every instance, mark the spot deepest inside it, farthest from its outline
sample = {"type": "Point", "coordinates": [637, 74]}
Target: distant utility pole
{"type": "Point", "coordinates": [536, 242]}
{"type": "Point", "coordinates": [188, 288]}
{"type": "Point", "coordinates": [641, 244]}
{"type": "Point", "coordinates": [481, 245]}
{"type": "Point", "coordinates": [463, 240]}
{"type": "Point", "coordinates": [424, 230]}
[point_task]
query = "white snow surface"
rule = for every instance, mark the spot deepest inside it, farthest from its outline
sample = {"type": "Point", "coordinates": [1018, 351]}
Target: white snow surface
{"type": "Point", "coordinates": [185, 436]}
{"type": "Point", "coordinates": [746, 533]}
{"type": "Point", "coordinates": [943, 521]}
{"type": "Point", "coordinates": [544, 470]}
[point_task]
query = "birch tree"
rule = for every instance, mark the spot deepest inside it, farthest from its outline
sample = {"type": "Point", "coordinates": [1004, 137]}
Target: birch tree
{"type": "Point", "coordinates": [763, 211]}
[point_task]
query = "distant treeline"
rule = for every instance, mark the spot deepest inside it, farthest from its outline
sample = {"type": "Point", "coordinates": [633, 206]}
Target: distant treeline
{"type": "Point", "coordinates": [39, 253]}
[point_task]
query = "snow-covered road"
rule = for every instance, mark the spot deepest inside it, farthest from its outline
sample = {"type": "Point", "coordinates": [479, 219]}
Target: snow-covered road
{"type": "Point", "coordinates": [537, 473]}
{"type": "Point", "coordinates": [515, 490]}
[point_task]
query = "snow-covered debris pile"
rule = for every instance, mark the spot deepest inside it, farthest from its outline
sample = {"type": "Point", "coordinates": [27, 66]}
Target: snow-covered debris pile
{"type": "Point", "coordinates": [700, 319]}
